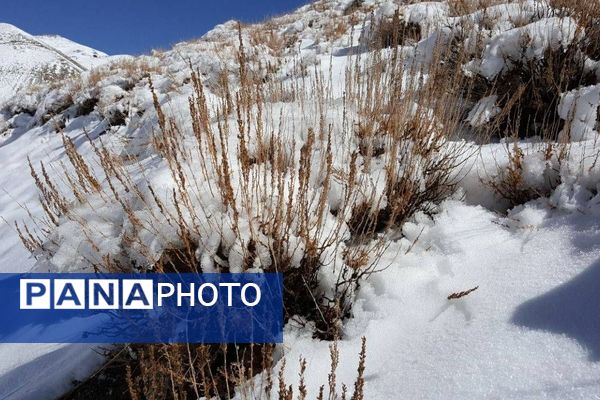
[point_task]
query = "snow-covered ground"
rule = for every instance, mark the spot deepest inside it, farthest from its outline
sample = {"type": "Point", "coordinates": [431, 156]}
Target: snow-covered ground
{"type": "Point", "coordinates": [27, 60]}
{"type": "Point", "coordinates": [34, 371]}
{"type": "Point", "coordinates": [530, 330]}
{"type": "Point", "coordinates": [40, 371]}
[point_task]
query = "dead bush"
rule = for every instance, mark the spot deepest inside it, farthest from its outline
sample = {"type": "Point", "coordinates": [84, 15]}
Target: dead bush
{"type": "Point", "coordinates": [277, 42]}
{"type": "Point", "coordinates": [407, 130]}
{"type": "Point", "coordinates": [354, 6]}
{"type": "Point", "coordinates": [463, 7]}
{"type": "Point", "coordinates": [159, 372]}
{"type": "Point", "coordinates": [393, 32]}
{"type": "Point", "coordinates": [130, 71]}
{"type": "Point", "coordinates": [335, 29]}
{"type": "Point", "coordinates": [176, 371]}
{"type": "Point", "coordinates": [529, 93]}
{"type": "Point", "coordinates": [243, 194]}
{"type": "Point", "coordinates": [587, 15]}
{"type": "Point", "coordinates": [510, 183]}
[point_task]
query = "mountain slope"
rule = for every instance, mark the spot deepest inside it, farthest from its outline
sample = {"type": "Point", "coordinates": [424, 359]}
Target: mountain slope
{"type": "Point", "coordinates": [26, 60]}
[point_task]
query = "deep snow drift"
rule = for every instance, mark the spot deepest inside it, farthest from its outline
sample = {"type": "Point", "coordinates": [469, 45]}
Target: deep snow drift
{"type": "Point", "coordinates": [530, 330]}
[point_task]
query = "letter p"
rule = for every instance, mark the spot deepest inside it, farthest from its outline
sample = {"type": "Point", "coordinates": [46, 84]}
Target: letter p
{"type": "Point", "coordinates": [35, 294]}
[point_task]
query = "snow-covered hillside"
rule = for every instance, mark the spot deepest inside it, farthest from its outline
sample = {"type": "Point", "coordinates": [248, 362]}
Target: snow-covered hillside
{"type": "Point", "coordinates": [341, 111]}
{"type": "Point", "coordinates": [27, 60]}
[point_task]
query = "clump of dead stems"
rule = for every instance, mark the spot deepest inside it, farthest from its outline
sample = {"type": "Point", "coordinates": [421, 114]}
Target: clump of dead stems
{"type": "Point", "coordinates": [393, 32]}
{"type": "Point", "coordinates": [587, 16]}
{"type": "Point", "coordinates": [407, 131]}
{"type": "Point", "coordinates": [255, 186]}
{"type": "Point", "coordinates": [187, 371]}
{"type": "Point", "coordinates": [529, 93]}
{"type": "Point", "coordinates": [510, 182]}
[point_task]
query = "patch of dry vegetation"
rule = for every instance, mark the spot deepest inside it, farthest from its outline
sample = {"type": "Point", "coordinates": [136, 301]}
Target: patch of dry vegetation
{"type": "Point", "coordinates": [394, 32]}
{"type": "Point", "coordinates": [530, 92]}
{"type": "Point", "coordinates": [463, 7]}
{"type": "Point", "coordinates": [134, 68]}
{"type": "Point", "coordinates": [587, 15]}
{"type": "Point", "coordinates": [158, 372]}
{"type": "Point", "coordinates": [510, 183]}
{"type": "Point", "coordinates": [271, 192]}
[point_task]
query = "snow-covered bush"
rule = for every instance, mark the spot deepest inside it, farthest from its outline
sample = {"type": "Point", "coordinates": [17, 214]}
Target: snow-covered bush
{"type": "Point", "coordinates": [587, 15]}
{"type": "Point", "coordinates": [240, 184]}
{"type": "Point", "coordinates": [406, 138]}
{"type": "Point", "coordinates": [391, 31]}
{"type": "Point", "coordinates": [527, 70]}
{"type": "Point", "coordinates": [528, 177]}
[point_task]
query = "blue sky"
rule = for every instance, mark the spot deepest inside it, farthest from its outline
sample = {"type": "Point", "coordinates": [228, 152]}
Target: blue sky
{"type": "Point", "coordinates": [134, 26]}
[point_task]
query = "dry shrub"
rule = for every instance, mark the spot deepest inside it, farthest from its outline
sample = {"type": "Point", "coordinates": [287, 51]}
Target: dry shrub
{"type": "Point", "coordinates": [96, 75]}
{"type": "Point", "coordinates": [136, 67]}
{"type": "Point", "coordinates": [275, 41]}
{"type": "Point", "coordinates": [129, 67]}
{"type": "Point", "coordinates": [407, 127]}
{"type": "Point", "coordinates": [194, 371]}
{"type": "Point", "coordinates": [510, 183]}
{"type": "Point", "coordinates": [244, 195]}
{"type": "Point", "coordinates": [290, 222]}
{"type": "Point", "coordinates": [530, 91]}
{"type": "Point", "coordinates": [178, 371]}
{"type": "Point", "coordinates": [158, 372]}
{"type": "Point", "coordinates": [587, 15]}
{"type": "Point", "coordinates": [393, 32]}
{"type": "Point", "coordinates": [335, 29]}
{"type": "Point", "coordinates": [354, 6]}
{"type": "Point", "coordinates": [458, 8]}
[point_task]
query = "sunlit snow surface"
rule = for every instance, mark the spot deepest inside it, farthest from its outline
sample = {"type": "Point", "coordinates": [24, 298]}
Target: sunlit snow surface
{"type": "Point", "coordinates": [26, 59]}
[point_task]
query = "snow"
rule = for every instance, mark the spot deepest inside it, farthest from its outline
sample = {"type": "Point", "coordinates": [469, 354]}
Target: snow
{"type": "Point", "coordinates": [524, 43]}
{"type": "Point", "coordinates": [579, 108]}
{"type": "Point", "coordinates": [527, 332]}
{"type": "Point", "coordinates": [27, 60]}
{"type": "Point", "coordinates": [44, 371]}
{"type": "Point", "coordinates": [483, 111]}
{"type": "Point", "coordinates": [530, 330]}
{"type": "Point", "coordinates": [84, 55]}
{"type": "Point", "coordinates": [505, 16]}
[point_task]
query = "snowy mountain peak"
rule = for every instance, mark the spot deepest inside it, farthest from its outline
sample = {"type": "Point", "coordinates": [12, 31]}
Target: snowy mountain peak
{"type": "Point", "coordinates": [8, 28]}
{"type": "Point", "coordinates": [27, 60]}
